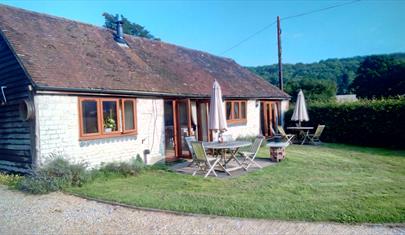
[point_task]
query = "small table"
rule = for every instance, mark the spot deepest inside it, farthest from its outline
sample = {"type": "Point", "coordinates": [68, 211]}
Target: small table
{"type": "Point", "coordinates": [277, 150]}
{"type": "Point", "coordinates": [304, 129]}
{"type": "Point", "coordinates": [232, 146]}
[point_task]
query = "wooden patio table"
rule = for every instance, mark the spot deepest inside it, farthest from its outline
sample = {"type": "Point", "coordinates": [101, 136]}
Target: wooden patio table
{"type": "Point", "coordinates": [232, 147]}
{"type": "Point", "coordinates": [303, 129]}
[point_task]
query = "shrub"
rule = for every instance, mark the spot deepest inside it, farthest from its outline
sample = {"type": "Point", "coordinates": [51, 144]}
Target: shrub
{"type": "Point", "coordinates": [54, 175]}
{"type": "Point", "coordinates": [132, 167]}
{"type": "Point", "coordinates": [378, 123]}
{"type": "Point", "coordinates": [58, 173]}
{"type": "Point", "coordinates": [40, 183]}
{"type": "Point", "coordinates": [159, 167]}
{"type": "Point", "coordinates": [11, 180]}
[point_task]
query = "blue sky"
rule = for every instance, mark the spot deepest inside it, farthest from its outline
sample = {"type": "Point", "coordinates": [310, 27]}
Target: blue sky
{"type": "Point", "coordinates": [362, 28]}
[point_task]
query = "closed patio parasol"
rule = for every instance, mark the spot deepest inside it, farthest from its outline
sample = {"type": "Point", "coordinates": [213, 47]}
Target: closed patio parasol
{"type": "Point", "coordinates": [300, 111]}
{"type": "Point", "coordinates": [217, 120]}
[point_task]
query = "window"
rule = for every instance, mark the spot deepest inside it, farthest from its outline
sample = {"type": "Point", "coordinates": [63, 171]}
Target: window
{"type": "Point", "coordinates": [129, 123]}
{"type": "Point", "coordinates": [110, 115]}
{"type": "Point", "coordinates": [89, 116]}
{"type": "Point", "coordinates": [106, 117]}
{"type": "Point", "coordinates": [235, 111]}
{"type": "Point", "coordinates": [228, 110]}
{"type": "Point", "coordinates": [243, 110]}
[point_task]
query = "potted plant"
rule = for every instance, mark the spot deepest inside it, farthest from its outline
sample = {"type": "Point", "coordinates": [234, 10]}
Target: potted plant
{"type": "Point", "coordinates": [109, 124]}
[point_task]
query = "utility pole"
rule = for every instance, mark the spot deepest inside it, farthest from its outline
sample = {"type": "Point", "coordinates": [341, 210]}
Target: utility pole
{"type": "Point", "coordinates": [280, 65]}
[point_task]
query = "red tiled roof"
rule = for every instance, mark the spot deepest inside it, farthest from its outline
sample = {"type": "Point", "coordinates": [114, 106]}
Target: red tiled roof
{"type": "Point", "coordinates": [61, 53]}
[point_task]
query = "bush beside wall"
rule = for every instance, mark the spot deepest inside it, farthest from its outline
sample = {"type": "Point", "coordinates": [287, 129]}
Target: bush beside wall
{"type": "Point", "coordinates": [55, 175]}
{"type": "Point", "coordinates": [59, 173]}
{"type": "Point", "coordinates": [377, 123]}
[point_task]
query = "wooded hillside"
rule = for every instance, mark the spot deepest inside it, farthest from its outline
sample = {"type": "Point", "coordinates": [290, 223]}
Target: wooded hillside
{"type": "Point", "coordinates": [340, 71]}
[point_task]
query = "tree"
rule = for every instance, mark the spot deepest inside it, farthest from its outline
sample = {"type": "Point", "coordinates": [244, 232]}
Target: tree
{"type": "Point", "coordinates": [341, 71]}
{"type": "Point", "coordinates": [127, 26]}
{"type": "Point", "coordinates": [314, 89]}
{"type": "Point", "coordinates": [380, 76]}
{"type": "Point", "coordinates": [343, 84]}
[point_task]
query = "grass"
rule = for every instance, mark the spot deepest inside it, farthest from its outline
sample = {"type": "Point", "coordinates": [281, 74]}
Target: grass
{"type": "Point", "coordinates": [10, 180]}
{"type": "Point", "coordinates": [332, 182]}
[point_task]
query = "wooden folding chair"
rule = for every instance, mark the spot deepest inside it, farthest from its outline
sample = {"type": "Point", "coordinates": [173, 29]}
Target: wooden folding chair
{"type": "Point", "coordinates": [314, 138]}
{"type": "Point", "coordinates": [249, 154]}
{"type": "Point", "coordinates": [188, 140]}
{"type": "Point", "coordinates": [203, 162]}
{"type": "Point", "coordinates": [227, 138]}
{"type": "Point", "coordinates": [288, 137]}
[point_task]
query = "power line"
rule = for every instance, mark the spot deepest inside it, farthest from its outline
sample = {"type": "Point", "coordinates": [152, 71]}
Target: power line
{"type": "Point", "coordinates": [319, 10]}
{"type": "Point", "coordinates": [286, 18]}
{"type": "Point", "coordinates": [249, 37]}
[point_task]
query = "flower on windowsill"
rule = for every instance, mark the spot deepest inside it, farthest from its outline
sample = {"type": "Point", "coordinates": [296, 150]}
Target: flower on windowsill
{"type": "Point", "coordinates": [109, 124]}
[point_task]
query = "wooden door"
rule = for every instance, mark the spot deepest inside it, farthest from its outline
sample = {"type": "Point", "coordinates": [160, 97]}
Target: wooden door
{"type": "Point", "coordinates": [269, 117]}
{"type": "Point", "coordinates": [170, 130]}
{"type": "Point", "coordinates": [177, 126]}
{"type": "Point", "coordinates": [182, 117]}
{"type": "Point", "coordinates": [202, 120]}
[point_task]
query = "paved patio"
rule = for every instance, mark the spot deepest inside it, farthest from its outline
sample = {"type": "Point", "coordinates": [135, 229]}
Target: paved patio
{"type": "Point", "coordinates": [186, 168]}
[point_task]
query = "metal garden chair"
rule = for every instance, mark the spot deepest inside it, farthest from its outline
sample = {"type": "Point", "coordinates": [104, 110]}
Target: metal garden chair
{"type": "Point", "coordinates": [203, 162]}
{"type": "Point", "coordinates": [249, 154]}
{"type": "Point", "coordinates": [288, 137]}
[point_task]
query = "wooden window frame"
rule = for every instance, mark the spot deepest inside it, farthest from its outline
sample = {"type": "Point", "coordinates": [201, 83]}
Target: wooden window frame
{"type": "Point", "coordinates": [100, 118]}
{"type": "Point", "coordinates": [133, 131]}
{"type": "Point", "coordinates": [89, 135]}
{"type": "Point", "coordinates": [239, 120]}
{"type": "Point", "coordinates": [119, 121]}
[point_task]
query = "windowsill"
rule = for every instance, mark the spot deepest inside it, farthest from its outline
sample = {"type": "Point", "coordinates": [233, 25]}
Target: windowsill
{"type": "Point", "coordinates": [107, 136]}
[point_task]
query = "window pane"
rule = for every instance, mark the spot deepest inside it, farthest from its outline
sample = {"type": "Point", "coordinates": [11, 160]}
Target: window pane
{"type": "Point", "coordinates": [228, 110]}
{"type": "Point", "coordinates": [110, 116]}
{"type": "Point", "coordinates": [236, 110]}
{"type": "Point", "coordinates": [182, 112]}
{"type": "Point", "coordinates": [89, 117]}
{"type": "Point", "coordinates": [243, 110]}
{"type": "Point", "coordinates": [129, 115]}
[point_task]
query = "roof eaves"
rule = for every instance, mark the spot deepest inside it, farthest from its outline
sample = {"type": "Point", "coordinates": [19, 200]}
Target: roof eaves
{"type": "Point", "coordinates": [145, 93]}
{"type": "Point", "coordinates": [10, 46]}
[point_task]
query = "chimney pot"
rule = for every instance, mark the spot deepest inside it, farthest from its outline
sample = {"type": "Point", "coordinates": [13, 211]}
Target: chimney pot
{"type": "Point", "coordinates": [119, 36]}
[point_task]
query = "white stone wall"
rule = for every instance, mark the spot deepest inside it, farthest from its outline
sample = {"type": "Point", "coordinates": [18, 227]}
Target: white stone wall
{"type": "Point", "coordinates": [58, 130]}
{"type": "Point", "coordinates": [252, 126]}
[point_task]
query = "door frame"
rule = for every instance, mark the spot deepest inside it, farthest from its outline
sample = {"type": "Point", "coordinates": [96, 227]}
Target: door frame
{"type": "Point", "coordinates": [176, 125]}
{"type": "Point", "coordinates": [267, 116]}
{"type": "Point", "coordinates": [176, 117]}
{"type": "Point", "coordinates": [199, 119]}
{"type": "Point", "coordinates": [178, 149]}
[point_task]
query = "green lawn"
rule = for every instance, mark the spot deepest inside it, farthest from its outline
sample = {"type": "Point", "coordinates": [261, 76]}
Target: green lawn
{"type": "Point", "coordinates": [325, 183]}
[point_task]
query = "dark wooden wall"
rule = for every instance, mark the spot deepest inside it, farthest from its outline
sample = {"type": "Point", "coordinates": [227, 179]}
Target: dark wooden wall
{"type": "Point", "coordinates": [15, 134]}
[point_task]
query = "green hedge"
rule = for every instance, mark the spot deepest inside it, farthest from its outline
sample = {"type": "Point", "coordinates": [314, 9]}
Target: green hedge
{"type": "Point", "coordinates": [379, 123]}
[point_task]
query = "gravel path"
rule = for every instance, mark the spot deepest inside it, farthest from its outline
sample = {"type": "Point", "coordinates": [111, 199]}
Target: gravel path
{"type": "Point", "coordinates": [58, 213]}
